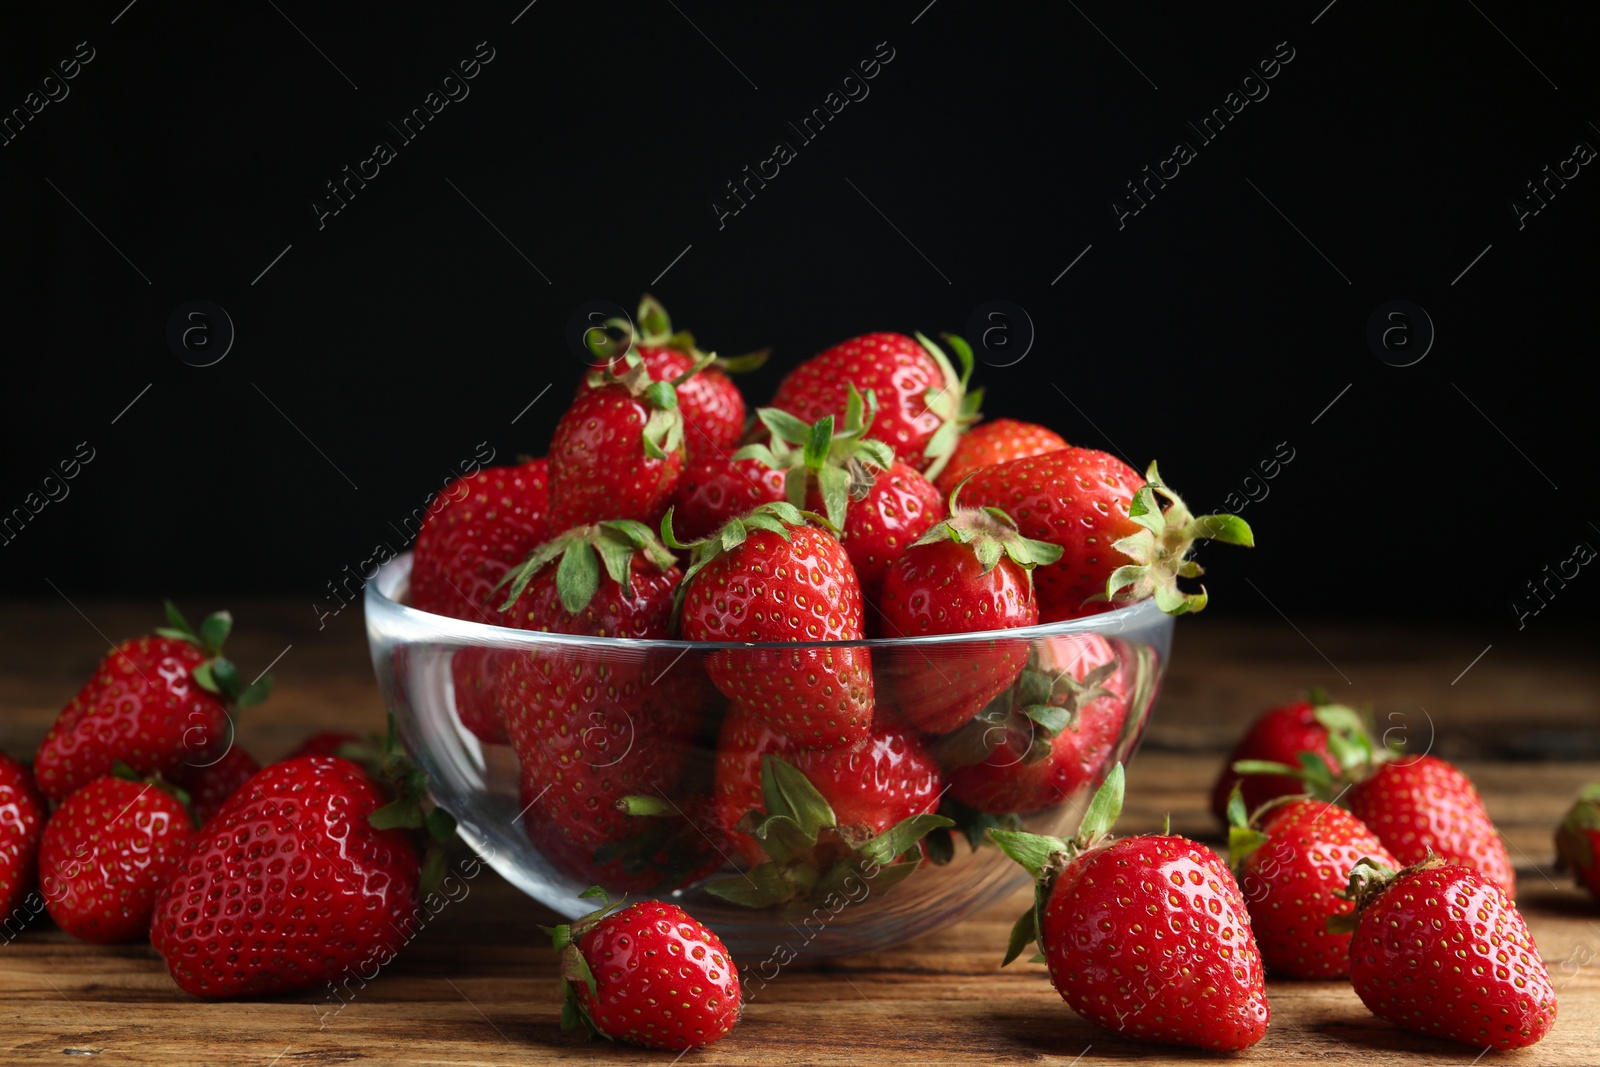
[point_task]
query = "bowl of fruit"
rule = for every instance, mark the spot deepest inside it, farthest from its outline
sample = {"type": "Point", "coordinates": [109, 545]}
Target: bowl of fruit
{"type": "Point", "coordinates": [786, 671]}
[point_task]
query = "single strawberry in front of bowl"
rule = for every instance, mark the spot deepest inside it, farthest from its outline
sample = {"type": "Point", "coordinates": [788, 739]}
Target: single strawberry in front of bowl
{"type": "Point", "coordinates": [971, 572]}
{"type": "Point", "coordinates": [998, 441]}
{"type": "Point", "coordinates": [648, 975]}
{"type": "Point", "coordinates": [22, 820]}
{"type": "Point", "coordinates": [1578, 839]}
{"type": "Point", "coordinates": [107, 854]}
{"type": "Point", "coordinates": [1279, 735]}
{"type": "Point", "coordinates": [1147, 936]}
{"type": "Point", "coordinates": [157, 703]}
{"type": "Point", "coordinates": [1439, 949]}
{"type": "Point", "coordinates": [771, 577]}
{"type": "Point", "coordinates": [1293, 861]}
{"type": "Point", "coordinates": [1119, 542]}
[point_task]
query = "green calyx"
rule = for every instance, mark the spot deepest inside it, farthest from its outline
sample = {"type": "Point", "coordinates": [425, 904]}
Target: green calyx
{"type": "Point", "coordinates": [575, 970]}
{"type": "Point", "coordinates": [584, 552]}
{"type": "Point", "coordinates": [1575, 847]}
{"type": "Point", "coordinates": [1367, 881]}
{"type": "Point", "coordinates": [1159, 551]}
{"type": "Point", "coordinates": [956, 407]}
{"type": "Point", "coordinates": [1245, 836]}
{"type": "Point", "coordinates": [991, 534]}
{"type": "Point", "coordinates": [217, 674]}
{"type": "Point", "coordinates": [777, 517]}
{"type": "Point", "coordinates": [652, 326]}
{"type": "Point", "coordinates": [839, 459]}
{"type": "Point", "coordinates": [811, 856]}
{"type": "Point", "coordinates": [411, 807]}
{"type": "Point", "coordinates": [663, 427]}
{"type": "Point", "coordinates": [1046, 857]}
{"type": "Point", "coordinates": [1350, 743]}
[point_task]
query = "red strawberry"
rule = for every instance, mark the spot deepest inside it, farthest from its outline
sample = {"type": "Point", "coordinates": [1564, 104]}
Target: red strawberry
{"type": "Point", "coordinates": [1001, 441]}
{"type": "Point", "coordinates": [22, 819]}
{"type": "Point", "coordinates": [325, 743]}
{"type": "Point", "coordinates": [210, 786]}
{"type": "Point", "coordinates": [1278, 736]}
{"type": "Point", "coordinates": [968, 573]}
{"type": "Point", "coordinates": [649, 975]}
{"type": "Point", "coordinates": [716, 488]}
{"type": "Point", "coordinates": [1441, 950]}
{"type": "Point", "coordinates": [107, 852]}
{"type": "Point", "coordinates": [925, 403]}
{"type": "Point", "coordinates": [1145, 936]}
{"type": "Point", "coordinates": [1118, 544]}
{"type": "Point", "coordinates": [1290, 867]}
{"type": "Point", "coordinates": [1062, 725]}
{"type": "Point", "coordinates": [895, 507]}
{"type": "Point", "coordinates": [1423, 805]}
{"type": "Point", "coordinates": [476, 528]}
{"type": "Point", "coordinates": [591, 729]}
{"type": "Point", "coordinates": [769, 577]}
{"type": "Point", "coordinates": [307, 874]}
{"type": "Point", "coordinates": [870, 787]}
{"type": "Point", "coordinates": [1577, 839]}
{"type": "Point", "coordinates": [156, 703]}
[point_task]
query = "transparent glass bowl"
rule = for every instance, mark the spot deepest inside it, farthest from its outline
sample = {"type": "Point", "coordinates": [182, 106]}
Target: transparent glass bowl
{"type": "Point", "coordinates": [444, 679]}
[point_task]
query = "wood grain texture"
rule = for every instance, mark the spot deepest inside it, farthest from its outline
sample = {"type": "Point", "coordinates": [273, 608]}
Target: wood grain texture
{"type": "Point", "coordinates": [478, 987]}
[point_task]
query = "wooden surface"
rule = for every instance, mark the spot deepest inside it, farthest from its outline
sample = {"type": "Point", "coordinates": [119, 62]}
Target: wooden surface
{"type": "Point", "coordinates": [477, 987]}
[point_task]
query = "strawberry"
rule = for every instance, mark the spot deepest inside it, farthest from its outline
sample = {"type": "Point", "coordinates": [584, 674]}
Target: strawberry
{"type": "Point", "coordinates": [1053, 735]}
{"type": "Point", "coordinates": [717, 488]}
{"type": "Point", "coordinates": [22, 821]}
{"type": "Point", "coordinates": [926, 404]}
{"type": "Point", "coordinates": [768, 577]}
{"type": "Point", "coordinates": [1278, 736]}
{"type": "Point", "coordinates": [649, 975]}
{"type": "Point", "coordinates": [156, 703]}
{"type": "Point", "coordinates": [869, 787]}
{"type": "Point", "coordinates": [1441, 950]}
{"type": "Point", "coordinates": [1578, 839]}
{"type": "Point", "coordinates": [1145, 936]}
{"type": "Point", "coordinates": [713, 409]}
{"type": "Point", "coordinates": [1291, 862]}
{"type": "Point", "coordinates": [307, 873]}
{"type": "Point", "coordinates": [970, 572]}
{"type": "Point", "coordinates": [210, 786]}
{"type": "Point", "coordinates": [476, 528]}
{"type": "Point", "coordinates": [589, 730]}
{"type": "Point", "coordinates": [107, 853]}
{"type": "Point", "coordinates": [1119, 544]}
{"type": "Point", "coordinates": [1001, 441]}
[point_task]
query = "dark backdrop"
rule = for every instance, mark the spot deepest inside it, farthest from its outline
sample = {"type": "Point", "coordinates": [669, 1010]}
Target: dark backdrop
{"type": "Point", "coordinates": [375, 348]}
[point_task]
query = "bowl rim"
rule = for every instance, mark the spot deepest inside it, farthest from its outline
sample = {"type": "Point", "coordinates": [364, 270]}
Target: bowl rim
{"type": "Point", "coordinates": [1139, 615]}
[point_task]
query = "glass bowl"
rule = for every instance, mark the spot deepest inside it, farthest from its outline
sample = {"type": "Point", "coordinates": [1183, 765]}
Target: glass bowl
{"type": "Point", "coordinates": [1060, 704]}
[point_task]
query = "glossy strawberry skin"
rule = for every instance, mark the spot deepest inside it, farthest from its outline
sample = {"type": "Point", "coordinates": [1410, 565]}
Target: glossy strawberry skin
{"type": "Point", "coordinates": [801, 589]}
{"type": "Point", "coordinates": [872, 785]}
{"type": "Point", "coordinates": [22, 821]}
{"type": "Point", "coordinates": [289, 886]}
{"type": "Point", "coordinates": [715, 489]}
{"type": "Point", "coordinates": [900, 507]}
{"type": "Point", "coordinates": [1422, 803]}
{"type": "Point", "coordinates": [1278, 736]}
{"type": "Point", "coordinates": [598, 466]}
{"type": "Point", "coordinates": [144, 708]}
{"type": "Point", "coordinates": [1444, 952]}
{"type": "Point", "coordinates": [998, 441]}
{"type": "Point", "coordinates": [209, 787]}
{"type": "Point", "coordinates": [1076, 498]}
{"type": "Point", "coordinates": [1149, 938]}
{"type": "Point", "coordinates": [894, 366]}
{"type": "Point", "coordinates": [713, 408]}
{"type": "Point", "coordinates": [475, 529]}
{"type": "Point", "coordinates": [1289, 884]}
{"type": "Point", "coordinates": [107, 853]}
{"type": "Point", "coordinates": [662, 980]}
{"type": "Point", "coordinates": [940, 588]}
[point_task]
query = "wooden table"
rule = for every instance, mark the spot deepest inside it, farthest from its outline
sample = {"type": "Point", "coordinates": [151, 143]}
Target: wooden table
{"type": "Point", "coordinates": [478, 987]}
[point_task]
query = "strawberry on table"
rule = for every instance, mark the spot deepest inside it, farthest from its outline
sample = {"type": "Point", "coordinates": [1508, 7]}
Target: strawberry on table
{"type": "Point", "coordinates": [107, 853]}
{"type": "Point", "coordinates": [1578, 839]}
{"type": "Point", "coordinates": [210, 786]}
{"type": "Point", "coordinates": [926, 404]}
{"type": "Point", "coordinates": [1293, 861]}
{"type": "Point", "coordinates": [22, 820]}
{"type": "Point", "coordinates": [1279, 736]}
{"type": "Point", "coordinates": [1119, 543]}
{"type": "Point", "coordinates": [1441, 950]}
{"type": "Point", "coordinates": [1000, 441]}
{"type": "Point", "coordinates": [1145, 936]}
{"type": "Point", "coordinates": [156, 703]}
{"type": "Point", "coordinates": [771, 577]}
{"type": "Point", "coordinates": [649, 975]}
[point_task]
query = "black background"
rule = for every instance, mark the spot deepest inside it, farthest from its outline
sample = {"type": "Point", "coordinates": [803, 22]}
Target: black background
{"type": "Point", "coordinates": [378, 351]}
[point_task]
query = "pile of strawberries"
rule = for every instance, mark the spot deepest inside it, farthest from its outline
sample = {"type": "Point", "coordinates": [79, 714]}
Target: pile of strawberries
{"type": "Point", "coordinates": [867, 501]}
